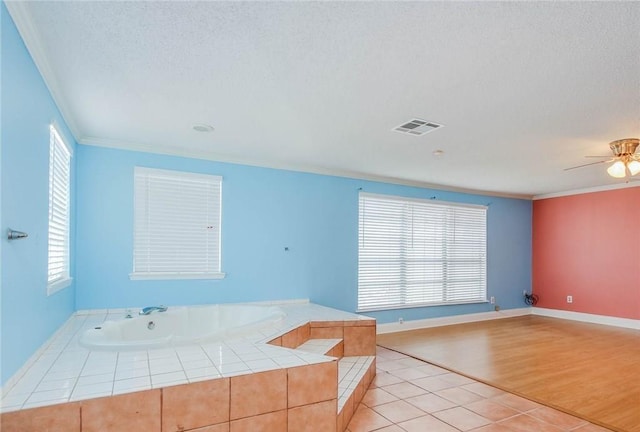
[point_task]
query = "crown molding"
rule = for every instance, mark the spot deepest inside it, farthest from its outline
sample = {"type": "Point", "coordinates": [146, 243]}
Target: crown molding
{"type": "Point", "coordinates": [19, 11]}
{"type": "Point", "coordinates": [588, 190]}
{"type": "Point", "coordinates": [217, 157]}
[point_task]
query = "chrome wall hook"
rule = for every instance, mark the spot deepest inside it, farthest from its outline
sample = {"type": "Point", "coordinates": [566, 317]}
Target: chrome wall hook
{"type": "Point", "coordinates": [15, 235]}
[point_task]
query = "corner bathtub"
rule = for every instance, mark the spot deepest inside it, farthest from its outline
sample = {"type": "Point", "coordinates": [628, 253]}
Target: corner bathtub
{"type": "Point", "coordinates": [180, 325]}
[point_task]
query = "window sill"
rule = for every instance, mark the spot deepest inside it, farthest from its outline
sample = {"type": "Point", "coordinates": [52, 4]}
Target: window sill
{"type": "Point", "coordinates": [419, 305]}
{"type": "Point", "coordinates": [56, 286]}
{"type": "Point", "coordinates": [172, 276]}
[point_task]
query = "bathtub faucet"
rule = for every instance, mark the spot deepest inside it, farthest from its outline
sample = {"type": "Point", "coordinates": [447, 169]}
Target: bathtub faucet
{"type": "Point", "coordinates": [147, 310]}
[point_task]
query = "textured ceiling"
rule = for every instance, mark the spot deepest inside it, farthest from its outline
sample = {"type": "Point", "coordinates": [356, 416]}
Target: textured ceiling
{"type": "Point", "coordinates": [524, 89]}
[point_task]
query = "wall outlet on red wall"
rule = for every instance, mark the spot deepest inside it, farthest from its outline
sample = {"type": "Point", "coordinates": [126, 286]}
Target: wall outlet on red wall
{"type": "Point", "coordinates": [569, 299]}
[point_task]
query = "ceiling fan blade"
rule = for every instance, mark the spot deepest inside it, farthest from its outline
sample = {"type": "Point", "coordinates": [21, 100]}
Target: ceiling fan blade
{"type": "Point", "coordinates": [601, 157]}
{"type": "Point", "coordinates": [592, 163]}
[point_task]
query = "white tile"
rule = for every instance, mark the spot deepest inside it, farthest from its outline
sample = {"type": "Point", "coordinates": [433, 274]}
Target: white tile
{"type": "Point", "coordinates": [59, 384]}
{"type": "Point", "coordinates": [236, 373]}
{"type": "Point", "coordinates": [254, 356]}
{"type": "Point", "coordinates": [9, 408]}
{"type": "Point", "coordinates": [194, 364]}
{"type": "Point", "coordinates": [132, 356]}
{"type": "Point", "coordinates": [261, 365]}
{"type": "Point", "coordinates": [202, 373]}
{"type": "Point", "coordinates": [99, 362]}
{"type": "Point", "coordinates": [243, 348]}
{"type": "Point", "coordinates": [188, 350]}
{"type": "Point", "coordinates": [24, 386]}
{"type": "Point", "coordinates": [162, 353]}
{"type": "Point", "coordinates": [225, 358]}
{"type": "Point", "coordinates": [131, 373]}
{"type": "Point", "coordinates": [232, 368]}
{"type": "Point", "coordinates": [165, 368]}
{"type": "Point", "coordinates": [135, 364]}
{"type": "Point", "coordinates": [94, 379]}
{"type": "Point", "coordinates": [78, 397]}
{"type": "Point", "coordinates": [103, 356]}
{"type": "Point", "coordinates": [55, 376]}
{"type": "Point", "coordinates": [98, 370]}
{"type": "Point", "coordinates": [213, 346]}
{"type": "Point", "coordinates": [92, 389]}
{"type": "Point", "coordinates": [49, 395]}
{"type": "Point", "coordinates": [72, 357]}
{"type": "Point", "coordinates": [14, 400]}
{"type": "Point", "coordinates": [35, 404]}
{"type": "Point", "coordinates": [70, 365]}
{"type": "Point", "coordinates": [158, 380]}
{"type": "Point", "coordinates": [132, 384]}
{"type": "Point", "coordinates": [194, 356]}
{"type": "Point", "coordinates": [273, 351]}
{"type": "Point", "coordinates": [163, 361]}
{"type": "Point", "coordinates": [288, 361]}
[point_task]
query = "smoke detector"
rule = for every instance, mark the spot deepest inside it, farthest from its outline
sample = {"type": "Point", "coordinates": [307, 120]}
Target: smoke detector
{"type": "Point", "coordinates": [202, 127]}
{"type": "Point", "coordinates": [417, 127]}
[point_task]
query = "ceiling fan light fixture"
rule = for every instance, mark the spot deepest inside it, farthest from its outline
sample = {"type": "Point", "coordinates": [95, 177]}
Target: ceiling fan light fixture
{"type": "Point", "coordinates": [634, 167]}
{"type": "Point", "coordinates": [617, 170]}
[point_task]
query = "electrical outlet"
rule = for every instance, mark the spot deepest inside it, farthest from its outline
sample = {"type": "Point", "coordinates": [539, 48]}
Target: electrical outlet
{"type": "Point", "coordinates": [493, 300]}
{"type": "Point", "coordinates": [569, 299]}
{"type": "Point", "coordinates": [400, 320]}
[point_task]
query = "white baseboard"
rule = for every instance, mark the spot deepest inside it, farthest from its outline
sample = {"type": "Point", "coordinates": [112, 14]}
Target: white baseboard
{"type": "Point", "coordinates": [590, 318]}
{"type": "Point", "coordinates": [507, 313]}
{"type": "Point", "coordinates": [450, 320]}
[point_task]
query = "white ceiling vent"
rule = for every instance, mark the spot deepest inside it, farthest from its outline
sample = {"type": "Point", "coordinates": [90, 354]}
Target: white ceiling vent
{"type": "Point", "coordinates": [417, 127]}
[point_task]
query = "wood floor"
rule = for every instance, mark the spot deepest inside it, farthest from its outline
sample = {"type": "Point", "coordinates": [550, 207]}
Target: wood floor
{"type": "Point", "coordinates": [587, 370]}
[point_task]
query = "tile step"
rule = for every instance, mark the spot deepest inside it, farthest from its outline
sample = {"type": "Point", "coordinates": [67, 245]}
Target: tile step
{"type": "Point", "coordinates": [352, 371]}
{"type": "Point", "coordinates": [330, 347]}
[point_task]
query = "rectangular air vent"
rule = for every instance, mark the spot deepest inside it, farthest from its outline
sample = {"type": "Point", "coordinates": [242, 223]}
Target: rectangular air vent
{"type": "Point", "coordinates": [417, 127]}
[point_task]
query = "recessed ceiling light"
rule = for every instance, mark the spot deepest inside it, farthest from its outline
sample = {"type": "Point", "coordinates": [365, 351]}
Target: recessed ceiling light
{"type": "Point", "coordinates": [438, 153]}
{"type": "Point", "coordinates": [201, 127]}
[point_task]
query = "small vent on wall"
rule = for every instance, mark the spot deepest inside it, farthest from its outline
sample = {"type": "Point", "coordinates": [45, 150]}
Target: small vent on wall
{"type": "Point", "coordinates": [417, 127]}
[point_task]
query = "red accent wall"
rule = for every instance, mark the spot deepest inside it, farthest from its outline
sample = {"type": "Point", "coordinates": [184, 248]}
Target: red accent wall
{"type": "Point", "coordinates": [588, 246]}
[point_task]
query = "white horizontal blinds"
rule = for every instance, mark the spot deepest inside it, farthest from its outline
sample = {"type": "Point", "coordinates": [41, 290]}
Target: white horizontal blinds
{"type": "Point", "coordinates": [419, 252]}
{"type": "Point", "coordinates": [59, 203]}
{"type": "Point", "coordinates": [176, 223]}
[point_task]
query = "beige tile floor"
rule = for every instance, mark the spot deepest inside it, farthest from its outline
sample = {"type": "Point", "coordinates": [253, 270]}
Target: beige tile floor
{"type": "Point", "coordinates": [413, 396]}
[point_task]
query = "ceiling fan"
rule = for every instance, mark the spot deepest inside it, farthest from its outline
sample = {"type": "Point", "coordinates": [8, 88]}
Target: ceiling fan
{"type": "Point", "coordinates": [626, 162]}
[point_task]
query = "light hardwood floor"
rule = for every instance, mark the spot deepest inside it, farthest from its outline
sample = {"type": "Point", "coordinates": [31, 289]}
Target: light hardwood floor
{"type": "Point", "coordinates": [587, 370]}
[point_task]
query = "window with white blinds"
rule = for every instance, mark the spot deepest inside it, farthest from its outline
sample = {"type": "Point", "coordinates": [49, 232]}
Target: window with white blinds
{"type": "Point", "coordinates": [415, 252]}
{"type": "Point", "coordinates": [177, 219]}
{"type": "Point", "coordinates": [59, 211]}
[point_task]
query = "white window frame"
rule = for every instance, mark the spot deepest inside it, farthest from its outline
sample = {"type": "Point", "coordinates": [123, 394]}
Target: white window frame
{"type": "Point", "coordinates": [162, 197]}
{"type": "Point", "coordinates": [415, 253]}
{"type": "Point", "coordinates": [59, 212]}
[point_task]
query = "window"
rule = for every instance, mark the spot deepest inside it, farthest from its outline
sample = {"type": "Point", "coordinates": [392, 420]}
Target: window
{"type": "Point", "coordinates": [59, 210]}
{"type": "Point", "coordinates": [415, 252]}
{"type": "Point", "coordinates": [176, 225]}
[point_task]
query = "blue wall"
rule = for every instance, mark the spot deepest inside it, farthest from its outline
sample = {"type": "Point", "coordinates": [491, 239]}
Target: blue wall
{"type": "Point", "coordinates": [29, 316]}
{"type": "Point", "coordinates": [264, 211]}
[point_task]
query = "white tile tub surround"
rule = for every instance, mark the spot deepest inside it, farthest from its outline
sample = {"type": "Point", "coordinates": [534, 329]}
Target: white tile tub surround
{"type": "Point", "coordinates": [63, 371]}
